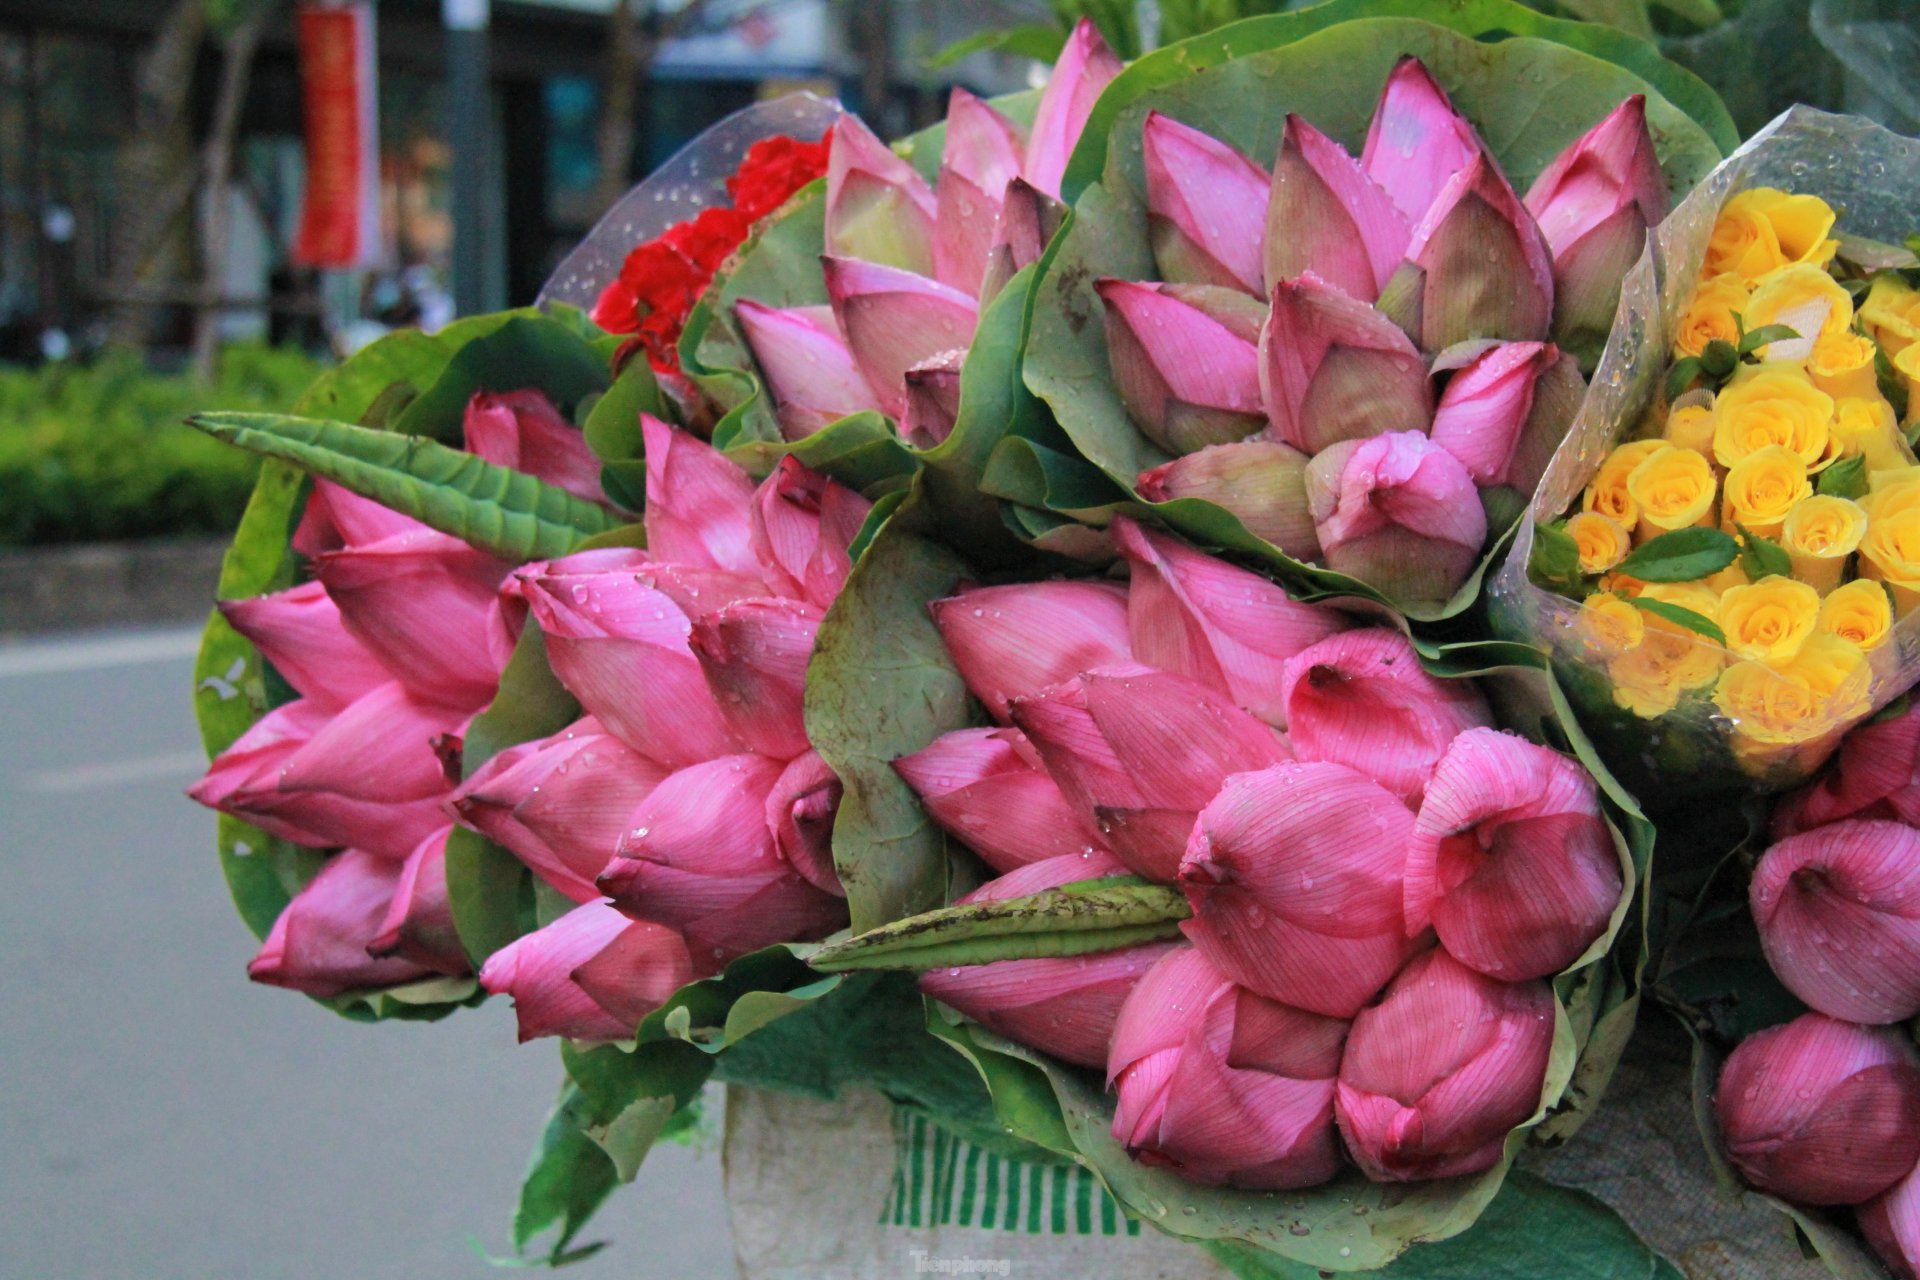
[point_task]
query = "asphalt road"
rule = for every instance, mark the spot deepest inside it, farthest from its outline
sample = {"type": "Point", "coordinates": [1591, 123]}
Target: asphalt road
{"type": "Point", "coordinates": [162, 1117]}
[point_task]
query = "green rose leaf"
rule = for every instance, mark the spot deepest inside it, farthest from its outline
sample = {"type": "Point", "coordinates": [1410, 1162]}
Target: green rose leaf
{"type": "Point", "coordinates": [1682, 616]}
{"type": "Point", "coordinates": [1555, 562]}
{"type": "Point", "coordinates": [1846, 478]}
{"type": "Point", "coordinates": [1075, 919]}
{"type": "Point", "coordinates": [501, 511]}
{"type": "Point", "coordinates": [1684, 555]}
{"type": "Point", "coordinates": [1762, 557]}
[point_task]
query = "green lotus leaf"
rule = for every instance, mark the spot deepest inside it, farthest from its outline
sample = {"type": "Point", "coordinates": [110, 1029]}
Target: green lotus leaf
{"type": "Point", "coordinates": [525, 350]}
{"type": "Point", "coordinates": [881, 686]}
{"type": "Point", "coordinates": [507, 513]}
{"type": "Point", "coordinates": [1075, 919]}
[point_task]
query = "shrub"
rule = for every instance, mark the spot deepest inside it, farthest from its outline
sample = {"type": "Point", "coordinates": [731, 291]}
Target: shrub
{"type": "Point", "coordinates": [102, 451]}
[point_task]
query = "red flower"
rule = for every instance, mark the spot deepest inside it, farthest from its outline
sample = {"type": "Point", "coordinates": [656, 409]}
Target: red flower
{"type": "Point", "coordinates": [775, 168]}
{"type": "Point", "coordinates": [662, 279]}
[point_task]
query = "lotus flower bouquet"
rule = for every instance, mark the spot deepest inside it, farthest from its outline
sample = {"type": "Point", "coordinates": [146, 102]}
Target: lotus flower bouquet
{"type": "Point", "coordinates": [1734, 547]}
{"type": "Point", "coordinates": [1276, 884]}
{"type": "Point", "coordinates": [1349, 346]}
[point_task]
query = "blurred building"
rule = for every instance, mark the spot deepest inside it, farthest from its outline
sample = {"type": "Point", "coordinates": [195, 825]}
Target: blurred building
{"type": "Point", "coordinates": [67, 72]}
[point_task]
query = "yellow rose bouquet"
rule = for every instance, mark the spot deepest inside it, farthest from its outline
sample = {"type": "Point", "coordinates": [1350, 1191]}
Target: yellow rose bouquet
{"type": "Point", "coordinates": [1725, 554]}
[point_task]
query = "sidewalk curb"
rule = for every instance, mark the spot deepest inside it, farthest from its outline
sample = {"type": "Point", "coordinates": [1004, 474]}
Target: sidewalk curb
{"type": "Point", "coordinates": [108, 584]}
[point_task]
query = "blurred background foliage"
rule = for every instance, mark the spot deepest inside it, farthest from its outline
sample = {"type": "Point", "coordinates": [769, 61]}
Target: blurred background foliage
{"type": "Point", "coordinates": [102, 451]}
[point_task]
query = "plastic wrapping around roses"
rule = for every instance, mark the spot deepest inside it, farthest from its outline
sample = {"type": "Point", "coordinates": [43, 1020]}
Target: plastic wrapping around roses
{"type": "Point", "coordinates": [1693, 710]}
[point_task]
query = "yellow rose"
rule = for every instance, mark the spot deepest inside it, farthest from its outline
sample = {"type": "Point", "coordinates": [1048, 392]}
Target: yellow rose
{"type": "Point", "coordinates": [1762, 230]}
{"type": "Point", "coordinates": [1769, 620]}
{"type": "Point", "coordinates": [1762, 488]}
{"type": "Point", "coordinates": [1672, 488]}
{"type": "Point", "coordinates": [1890, 552]}
{"type": "Point", "coordinates": [1826, 686]}
{"type": "Point", "coordinates": [1608, 493]}
{"type": "Point", "coordinates": [1670, 660]}
{"type": "Point", "coordinates": [1907, 363]}
{"type": "Point", "coordinates": [1731, 576]}
{"type": "Point", "coordinates": [1819, 535]}
{"type": "Point", "coordinates": [1842, 365]}
{"type": "Point", "coordinates": [1710, 315]}
{"type": "Point", "coordinates": [1892, 312]}
{"type": "Point", "coordinates": [1859, 613]}
{"type": "Point", "coordinates": [1691, 427]}
{"type": "Point", "coordinates": [1612, 625]}
{"type": "Point", "coordinates": [1894, 487]}
{"type": "Point", "coordinates": [1622, 585]}
{"type": "Point", "coordinates": [1864, 426]}
{"type": "Point", "coordinates": [1772, 403]}
{"type": "Point", "coordinates": [1806, 300]}
{"type": "Point", "coordinates": [1603, 541]}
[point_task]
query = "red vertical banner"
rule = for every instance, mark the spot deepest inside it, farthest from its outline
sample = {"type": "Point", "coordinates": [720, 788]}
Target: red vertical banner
{"type": "Point", "coordinates": [340, 220]}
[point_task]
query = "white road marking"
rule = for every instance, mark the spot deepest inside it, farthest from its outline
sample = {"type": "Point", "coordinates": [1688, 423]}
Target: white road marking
{"type": "Point", "coordinates": [42, 657]}
{"type": "Point", "coordinates": [87, 777]}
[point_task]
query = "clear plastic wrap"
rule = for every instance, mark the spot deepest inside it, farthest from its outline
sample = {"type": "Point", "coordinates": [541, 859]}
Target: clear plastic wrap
{"type": "Point", "coordinates": [694, 179]}
{"type": "Point", "coordinates": [1780, 731]}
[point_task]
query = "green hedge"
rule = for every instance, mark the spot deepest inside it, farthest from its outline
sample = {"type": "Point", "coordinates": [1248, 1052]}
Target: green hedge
{"type": "Point", "coordinates": [101, 452]}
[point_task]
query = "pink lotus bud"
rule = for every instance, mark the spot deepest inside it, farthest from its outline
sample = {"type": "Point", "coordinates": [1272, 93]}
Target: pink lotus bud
{"type": "Point", "coordinates": [933, 398]}
{"type": "Point", "coordinates": [1187, 380]}
{"type": "Point", "coordinates": [319, 943]}
{"type": "Point", "coordinates": [808, 369]}
{"type": "Point", "coordinates": [1442, 1069]}
{"type": "Point", "coordinates": [419, 924]}
{"type": "Point", "coordinates": [1026, 226]}
{"type": "Point", "coordinates": [522, 430]}
{"type": "Point", "coordinates": [803, 524]}
{"type": "Point", "coordinates": [1594, 204]}
{"type": "Point", "coordinates": [893, 320]}
{"type": "Point", "coordinates": [800, 813]}
{"type": "Point", "coordinates": [1207, 207]}
{"type": "Point", "coordinates": [1329, 218]}
{"type": "Point", "coordinates": [1399, 513]}
{"type": "Point", "coordinates": [1891, 1223]}
{"type": "Point", "coordinates": [1510, 860]}
{"type": "Point", "coordinates": [1065, 1007]}
{"type": "Point", "coordinates": [1264, 484]}
{"type": "Point", "coordinates": [1417, 141]}
{"type": "Point", "coordinates": [1294, 877]}
{"type": "Point", "coordinates": [426, 606]}
{"type": "Point", "coordinates": [878, 207]}
{"type": "Point", "coordinates": [1488, 273]}
{"type": "Point", "coordinates": [300, 633]}
{"type": "Point", "coordinates": [1018, 640]}
{"type": "Point", "coordinates": [337, 517]}
{"type": "Point", "coordinates": [1139, 752]}
{"type": "Point", "coordinates": [1839, 916]}
{"type": "Point", "coordinates": [1507, 409]}
{"type": "Point", "coordinates": [560, 804]}
{"type": "Point", "coordinates": [755, 654]}
{"type": "Point", "coordinates": [699, 856]}
{"type": "Point", "coordinates": [1876, 775]}
{"type": "Point", "coordinates": [622, 648]}
{"type": "Point", "coordinates": [981, 156]}
{"type": "Point", "coordinates": [244, 781]}
{"type": "Point", "coordinates": [988, 789]}
{"type": "Point", "coordinates": [699, 503]}
{"type": "Point", "coordinates": [1332, 368]}
{"type": "Point", "coordinates": [1226, 627]}
{"type": "Point", "coordinates": [1362, 699]}
{"type": "Point", "coordinates": [388, 746]}
{"type": "Point", "coordinates": [1821, 1111]}
{"type": "Point", "coordinates": [634, 966]}
{"type": "Point", "coordinates": [1084, 68]}
{"type": "Point", "coordinates": [1222, 1085]}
